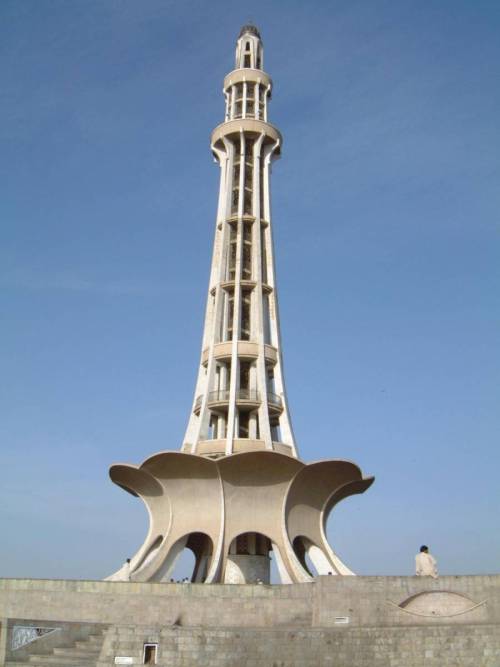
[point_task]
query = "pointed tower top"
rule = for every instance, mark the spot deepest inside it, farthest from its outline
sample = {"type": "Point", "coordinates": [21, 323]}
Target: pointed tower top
{"type": "Point", "coordinates": [249, 51]}
{"type": "Point", "coordinates": [249, 29]}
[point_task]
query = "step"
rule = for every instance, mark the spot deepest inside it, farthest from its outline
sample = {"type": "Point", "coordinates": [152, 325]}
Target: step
{"type": "Point", "coordinates": [92, 642]}
{"type": "Point", "coordinates": [79, 652]}
{"type": "Point", "coordinates": [37, 663]}
{"type": "Point", "coordinates": [64, 660]}
{"type": "Point", "coordinates": [51, 664]}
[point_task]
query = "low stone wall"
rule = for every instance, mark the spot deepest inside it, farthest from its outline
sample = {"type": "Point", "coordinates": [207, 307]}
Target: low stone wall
{"type": "Point", "coordinates": [336, 621]}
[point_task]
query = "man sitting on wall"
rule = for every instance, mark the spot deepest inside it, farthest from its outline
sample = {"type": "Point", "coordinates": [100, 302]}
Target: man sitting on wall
{"type": "Point", "coordinates": [425, 564]}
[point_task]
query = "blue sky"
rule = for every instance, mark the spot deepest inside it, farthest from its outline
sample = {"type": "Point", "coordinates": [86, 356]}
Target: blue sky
{"type": "Point", "coordinates": [386, 225]}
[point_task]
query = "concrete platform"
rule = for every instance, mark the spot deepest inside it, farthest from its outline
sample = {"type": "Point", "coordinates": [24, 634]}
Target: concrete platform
{"type": "Point", "coordinates": [335, 621]}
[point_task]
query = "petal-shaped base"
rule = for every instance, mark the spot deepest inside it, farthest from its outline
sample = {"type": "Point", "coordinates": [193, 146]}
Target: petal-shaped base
{"type": "Point", "coordinates": [236, 506]}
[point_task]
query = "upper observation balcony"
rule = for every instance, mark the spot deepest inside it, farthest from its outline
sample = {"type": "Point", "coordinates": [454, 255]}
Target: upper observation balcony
{"type": "Point", "coordinates": [253, 125]}
{"type": "Point", "coordinates": [245, 398]}
{"type": "Point", "coordinates": [250, 76]}
{"type": "Point", "coordinates": [246, 350]}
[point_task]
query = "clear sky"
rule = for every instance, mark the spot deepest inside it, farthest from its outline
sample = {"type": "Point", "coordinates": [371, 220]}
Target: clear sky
{"type": "Point", "coordinates": [386, 226]}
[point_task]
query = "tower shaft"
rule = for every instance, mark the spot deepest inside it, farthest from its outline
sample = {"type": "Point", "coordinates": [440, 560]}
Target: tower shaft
{"type": "Point", "coordinates": [240, 399]}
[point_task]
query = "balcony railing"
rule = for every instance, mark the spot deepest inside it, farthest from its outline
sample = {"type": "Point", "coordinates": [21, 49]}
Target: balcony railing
{"type": "Point", "coordinates": [222, 395]}
{"type": "Point", "coordinates": [219, 396]}
{"type": "Point", "coordinates": [274, 399]}
{"type": "Point", "coordinates": [252, 395]}
{"type": "Point", "coordinates": [248, 395]}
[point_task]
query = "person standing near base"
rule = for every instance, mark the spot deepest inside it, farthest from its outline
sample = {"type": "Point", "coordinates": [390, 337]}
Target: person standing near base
{"type": "Point", "coordinates": [425, 564]}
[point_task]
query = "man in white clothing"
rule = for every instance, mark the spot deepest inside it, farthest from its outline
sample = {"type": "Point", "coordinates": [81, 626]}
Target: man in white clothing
{"type": "Point", "coordinates": [425, 564]}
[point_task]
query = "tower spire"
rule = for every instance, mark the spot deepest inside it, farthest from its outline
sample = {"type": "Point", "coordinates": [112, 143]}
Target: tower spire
{"type": "Point", "coordinates": [240, 399]}
{"type": "Point", "coordinates": [249, 49]}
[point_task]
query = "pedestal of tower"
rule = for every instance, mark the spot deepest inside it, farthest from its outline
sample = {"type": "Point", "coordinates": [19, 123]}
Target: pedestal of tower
{"type": "Point", "coordinates": [248, 560]}
{"type": "Point", "coordinates": [247, 569]}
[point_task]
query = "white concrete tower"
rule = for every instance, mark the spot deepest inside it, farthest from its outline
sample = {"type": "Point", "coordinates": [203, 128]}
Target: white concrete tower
{"type": "Point", "coordinates": [240, 401]}
{"type": "Point", "coordinates": [237, 491]}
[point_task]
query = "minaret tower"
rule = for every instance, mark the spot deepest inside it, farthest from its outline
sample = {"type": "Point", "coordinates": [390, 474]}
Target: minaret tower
{"type": "Point", "coordinates": [237, 494]}
{"type": "Point", "coordinates": [240, 401]}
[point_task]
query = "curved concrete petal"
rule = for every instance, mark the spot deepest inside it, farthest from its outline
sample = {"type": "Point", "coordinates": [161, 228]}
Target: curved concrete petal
{"type": "Point", "coordinates": [191, 494]}
{"type": "Point", "coordinates": [312, 494]}
{"type": "Point", "coordinates": [255, 485]}
{"type": "Point", "coordinates": [142, 484]}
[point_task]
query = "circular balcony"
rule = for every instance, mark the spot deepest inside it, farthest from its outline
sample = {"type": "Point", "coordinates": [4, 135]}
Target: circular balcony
{"type": "Point", "coordinates": [233, 127]}
{"type": "Point", "coordinates": [274, 403]}
{"type": "Point", "coordinates": [248, 75]}
{"type": "Point", "coordinates": [249, 398]}
{"type": "Point", "coordinates": [217, 448]}
{"type": "Point", "coordinates": [246, 350]}
{"type": "Point", "coordinates": [218, 399]}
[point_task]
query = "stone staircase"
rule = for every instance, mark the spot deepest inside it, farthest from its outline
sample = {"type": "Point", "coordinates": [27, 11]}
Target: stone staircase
{"type": "Point", "coordinates": [84, 653]}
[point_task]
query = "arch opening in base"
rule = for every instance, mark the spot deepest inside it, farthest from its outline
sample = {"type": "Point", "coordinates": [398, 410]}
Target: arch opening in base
{"type": "Point", "coordinates": [190, 559]}
{"type": "Point", "coordinates": [254, 559]}
{"type": "Point", "coordinates": [311, 557]}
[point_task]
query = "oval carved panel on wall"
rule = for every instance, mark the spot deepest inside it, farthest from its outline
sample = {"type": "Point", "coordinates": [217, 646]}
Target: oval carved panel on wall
{"type": "Point", "coordinates": [438, 604]}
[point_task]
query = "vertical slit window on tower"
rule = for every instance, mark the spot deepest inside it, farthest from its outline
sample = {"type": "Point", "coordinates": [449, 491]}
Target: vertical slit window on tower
{"type": "Point", "coordinates": [247, 251]}
{"type": "Point", "coordinates": [238, 104]}
{"type": "Point", "coordinates": [257, 101]}
{"type": "Point", "coordinates": [234, 200]}
{"type": "Point", "coordinates": [247, 202]}
{"type": "Point", "coordinates": [270, 381]}
{"type": "Point", "coordinates": [231, 267]}
{"type": "Point", "coordinates": [259, 59]}
{"type": "Point", "coordinates": [236, 178]}
{"type": "Point", "coordinates": [250, 108]}
{"type": "Point", "coordinates": [267, 319]}
{"type": "Point", "coordinates": [244, 378]}
{"type": "Point", "coordinates": [247, 60]}
{"type": "Point", "coordinates": [261, 190]}
{"type": "Point", "coordinates": [248, 174]}
{"type": "Point", "coordinates": [236, 174]}
{"type": "Point", "coordinates": [248, 183]}
{"type": "Point", "coordinates": [275, 432]}
{"type": "Point", "coordinates": [249, 149]}
{"type": "Point", "coordinates": [243, 424]}
{"type": "Point", "coordinates": [257, 428]}
{"type": "Point", "coordinates": [263, 254]}
{"type": "Point", "coordinates": [246, 303]}
{"type": "Point", "coordinates": [213, 427]}
{"type": "Point", "coordinates": [262, 100]}
{"type": "Point", "coordinates": [230, 314]}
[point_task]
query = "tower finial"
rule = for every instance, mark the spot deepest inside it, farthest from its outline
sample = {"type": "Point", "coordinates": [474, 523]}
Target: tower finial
{"type": "Point", "coordinates": [249, 28]}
